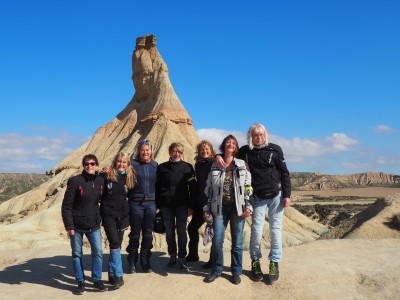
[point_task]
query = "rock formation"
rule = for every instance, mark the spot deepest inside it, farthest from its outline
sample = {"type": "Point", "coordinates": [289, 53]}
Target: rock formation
{"type": "Point", "coordinates": [154, 113]}
{"type": "Point", "coordinates": [34, 220]}
{"type": "Point", "coordinates": [317, 181]}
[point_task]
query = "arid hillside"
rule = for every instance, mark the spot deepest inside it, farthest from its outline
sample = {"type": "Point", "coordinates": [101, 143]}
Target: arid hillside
{"type": "Point", "coordinates": [315, 181]}
{"type": "Point", "coordinates": [14, 184]}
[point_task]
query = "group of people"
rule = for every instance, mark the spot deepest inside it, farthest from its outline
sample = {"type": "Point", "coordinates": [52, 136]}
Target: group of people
{"type": "Point", "coordinates": [224, 188]}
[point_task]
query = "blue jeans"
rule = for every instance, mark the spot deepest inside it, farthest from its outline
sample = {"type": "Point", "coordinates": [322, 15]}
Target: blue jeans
{"type": "Point", "coordinates": [275, 218]}
{"type": "Point", "coordinates": [180, 215]}
{"type": "Point", "coordinates": [115, 264]}
{"type": "Point", "coordinates": [94, 238]}
{"type": "Point", "coordinates": [228, 214]}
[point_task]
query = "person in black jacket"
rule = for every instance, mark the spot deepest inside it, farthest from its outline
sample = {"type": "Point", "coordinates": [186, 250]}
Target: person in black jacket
{"type": "Point", "coordinates": [271, 189]}
{"type": "Point", "coordinates": [176, 195]}
{"type": "Point", "coordinates": [81, 216]}
{"type": "Point", "coordinates": [142, 208]}
{"type": "Point", "coordinates": [115, 212]}
{"type": "Point", "coordinates": [204, 159]}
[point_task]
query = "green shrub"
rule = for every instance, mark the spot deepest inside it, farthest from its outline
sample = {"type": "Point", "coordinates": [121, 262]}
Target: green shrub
{"type": "Point", "coordinates": [396, 220]}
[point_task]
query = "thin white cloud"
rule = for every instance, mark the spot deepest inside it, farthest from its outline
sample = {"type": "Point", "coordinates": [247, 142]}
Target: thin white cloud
{"type": "Point", "coordinates": [354, 165]}
{"type": "Point", "coordinates": [24, 153]}
{"type": "Point", "coordinates": [381, 160]}
{"type": "Point", "coordinates": [384, 129]}
{"type": "Point", "coordinates": [341, 142]}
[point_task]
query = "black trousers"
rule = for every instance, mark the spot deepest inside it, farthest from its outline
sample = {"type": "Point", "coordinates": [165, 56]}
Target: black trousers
{"type": "Point", "coordinates": [114, 228]}
{"type": "Point", "coordinates": [193, 231]}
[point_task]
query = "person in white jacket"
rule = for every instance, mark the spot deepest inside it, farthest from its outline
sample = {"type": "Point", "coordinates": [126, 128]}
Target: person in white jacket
{"type": "Point", "coordinates": [228, 191]}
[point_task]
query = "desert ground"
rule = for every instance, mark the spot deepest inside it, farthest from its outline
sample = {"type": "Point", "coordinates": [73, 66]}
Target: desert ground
{"type": "Point", "coordinates": [351, 268]}
{"type": "Point", "coordinates": [326, 269]}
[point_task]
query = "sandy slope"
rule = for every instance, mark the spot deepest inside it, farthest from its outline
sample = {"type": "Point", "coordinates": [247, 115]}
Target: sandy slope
{"type": "Point", "coordinates": [328, 269]}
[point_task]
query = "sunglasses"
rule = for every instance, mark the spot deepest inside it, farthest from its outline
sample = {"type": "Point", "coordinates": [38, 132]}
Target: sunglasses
{"type": "Point", "coordinates": [144, 142]}
{"type": "Point", "coordinates": [92, 163]}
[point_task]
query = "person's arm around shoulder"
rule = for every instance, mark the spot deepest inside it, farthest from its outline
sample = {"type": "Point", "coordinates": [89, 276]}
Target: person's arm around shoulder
{"type": "Point", "coordinates": [219, 162]}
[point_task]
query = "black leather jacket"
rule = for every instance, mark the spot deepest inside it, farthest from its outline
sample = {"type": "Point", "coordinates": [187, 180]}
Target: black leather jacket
{"type": "Point", "coordinates": [80, 208]}
{"type": "Point", "coordinates": [115, 203]}
{"type": "Point", "coordinates": [175, 184]}
{"type": "Point", "coordinates": [269, 173]}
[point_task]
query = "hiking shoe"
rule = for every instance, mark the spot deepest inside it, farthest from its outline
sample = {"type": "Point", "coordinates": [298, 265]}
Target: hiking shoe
{"type": "Point", "coordinates": [80, 289]}
{"type": "Point", "coordinates": [132, 259]}
{"type": "Point", "coordinates": [118, 282]}
{"type": "Point", "coordinates": [256, 272]}
{"type": "Point", "coordinates": [99, 285]}
{"type": "Point", "coordinates": [131, 268]}
{"type": "Point", "coordinates": [236, 279]}
{"type": "Point", "coordinates": [182, 265]}
{"type": "Point", "coordinates": [211, 277]}
{"type": "Point", "coordinates": [146, 268]}
{"type": "Point", "coordinates": [172, 262]}
{"type": "Point", "coordinates": [192, 257]}
{"type": "Point", "coordinates": [273, 272]}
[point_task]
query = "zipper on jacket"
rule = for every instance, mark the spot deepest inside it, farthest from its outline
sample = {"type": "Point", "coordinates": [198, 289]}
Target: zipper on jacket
{"type": "Point", "coordinates": [270, 157]}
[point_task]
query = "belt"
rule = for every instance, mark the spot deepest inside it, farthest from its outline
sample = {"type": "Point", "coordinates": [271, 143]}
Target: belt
{"type": "Point", "coordinates": [142, 199]}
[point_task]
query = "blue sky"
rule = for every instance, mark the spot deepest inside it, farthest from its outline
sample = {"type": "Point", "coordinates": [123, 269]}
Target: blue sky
{"type": "Point", "coordinates": [322, 76]}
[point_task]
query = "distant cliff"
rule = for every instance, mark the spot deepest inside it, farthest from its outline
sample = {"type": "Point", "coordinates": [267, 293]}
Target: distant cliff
{"type": "Point", "coordinates": [317, 181]}
{"type": "Point", "coordinates": [12, 184]}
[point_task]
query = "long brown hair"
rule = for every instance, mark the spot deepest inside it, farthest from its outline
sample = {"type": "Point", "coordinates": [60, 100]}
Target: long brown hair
{"type": "Point", "coordinates": [130, 172]}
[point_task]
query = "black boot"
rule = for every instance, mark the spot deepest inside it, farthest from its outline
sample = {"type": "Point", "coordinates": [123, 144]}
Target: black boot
{"type": "Point", "coordinates": [192, 257]}
{"type": "Point", "coordinates": [145, 260]}
{"type": "Point", "coordinates": [118, 282]}
{"type": "Point", "coordinates": [111, 279]}
{"type": "Point", "coordinates": [132, 260]}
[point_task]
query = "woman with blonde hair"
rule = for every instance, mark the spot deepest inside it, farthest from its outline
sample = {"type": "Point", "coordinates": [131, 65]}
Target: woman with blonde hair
{"type": "Point", "coordinates": [142, 208]}
{"type": "Point", "coordinates": [204, 158]}
{"type": "Point", "coordinates": [115, 212]}
{"type": "Point", "coordinates": [175, 195]}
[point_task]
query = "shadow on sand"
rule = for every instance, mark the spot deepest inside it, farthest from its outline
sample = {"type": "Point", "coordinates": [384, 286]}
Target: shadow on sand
{"type": "Point", "coordinates": [57, 271]}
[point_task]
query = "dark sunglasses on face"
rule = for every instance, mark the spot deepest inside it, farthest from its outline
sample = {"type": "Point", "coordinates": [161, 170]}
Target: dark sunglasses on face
{"type": "Point", "coordinates": [92, 163]}
{"type": "Point", "coordinates": [144, 142]}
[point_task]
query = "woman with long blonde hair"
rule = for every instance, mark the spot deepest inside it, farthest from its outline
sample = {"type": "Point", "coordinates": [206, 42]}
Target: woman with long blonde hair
{"type": "Point", "coordinates": [114, 210]}
{"type": "Point", "coordinates": [142, 208]}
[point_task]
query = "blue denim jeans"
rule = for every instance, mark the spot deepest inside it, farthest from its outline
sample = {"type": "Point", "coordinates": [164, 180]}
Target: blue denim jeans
{"type": "Point", "coordinates": [175, 217]}
{"type": "Point", "coordinates": [275, 218]}
{"type": "Point", "coordinates": [228, 214]}
{"type": "Point", "coordinates": [142, 216]}
{"type": "Point", "coordinates": [94, 238]}
{"type": "Point", "coordinates": [115, 264]}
